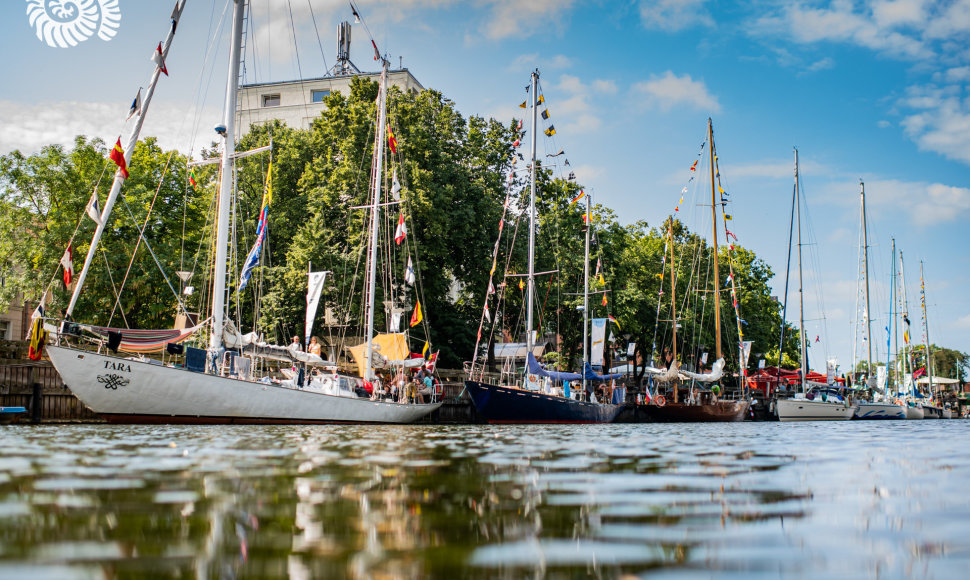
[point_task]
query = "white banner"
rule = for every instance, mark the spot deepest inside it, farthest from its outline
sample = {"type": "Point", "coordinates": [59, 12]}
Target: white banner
{"type": "Point", "coordinates": [745, 352]}
{"type": "Point", "coordinates": [599, 341]}
{"type": "Point", "coordinates": [314, 288]}
{"type": "Point", "coordinates": [830, 371]}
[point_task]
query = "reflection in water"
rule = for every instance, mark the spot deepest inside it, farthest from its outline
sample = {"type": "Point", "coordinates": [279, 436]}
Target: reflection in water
{"type": "Point", "coordinates": [852, 499]}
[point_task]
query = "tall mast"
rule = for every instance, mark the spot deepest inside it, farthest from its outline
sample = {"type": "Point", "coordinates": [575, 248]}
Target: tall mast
{"type": "Point", "coordinates": [375, 211]}
{"type": "Point", "coordinates": [129, 149]}
{"type": "Point", "coordinates": [532, 217]}
{"type": "Point", "coordinates": [586, 295]}
{"type": "Point", "coordinates": [907, 363]}
{"type": "Point", "coordinates": [717, 280]}
{"type": "Point", "coordinates": [893, 303]}
{"type": "Point", "coordinates": [673, 297]}
{"type": "Point", "coordinates": [865, 262]}
{"type": "Point", "coordinates": [801, 299]}
{"type": "Point", "coordinates": [226, 179]}
{"type": "Point", "coordinates": [926, 328]}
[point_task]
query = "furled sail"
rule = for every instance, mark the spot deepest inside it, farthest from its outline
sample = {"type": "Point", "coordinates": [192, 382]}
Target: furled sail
{"type": "Point", "coordinates": [717, 371]}
{"type": "Point", "coordinates": [536, 369]}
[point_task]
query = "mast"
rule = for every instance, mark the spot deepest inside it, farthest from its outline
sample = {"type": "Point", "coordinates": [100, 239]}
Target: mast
{"type": "Point", "coordinates": [893, 303]}
{"type": "Point", "coordinates": [801, 298]}
{"type": "Point", "coordinates": [226, 179]}
{"type": "Point", "coordinates": [907, 362]}
{"type": "Point", "coordinates": [129, 149]}
{"type": "Point", "coordinates": [586, 296]}
{"type": "Point", "coordinates": [673, 298]}
{"type": "Point", "coordinates": [926, 328]}
{"type": "Point", "coordinates": [529, 342]}
{"type": "Point", "coordinates": [865, 262]}
{"type": "Point", "coordinates": [372, 260]}
{"type": "Point", "coordinates": [717, 279]}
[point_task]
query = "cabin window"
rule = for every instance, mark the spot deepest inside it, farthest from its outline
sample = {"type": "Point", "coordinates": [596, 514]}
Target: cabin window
{"type": "Point", "coordinates": [319, 96]}
{"type": "Point", "coordinates": [271, 100]}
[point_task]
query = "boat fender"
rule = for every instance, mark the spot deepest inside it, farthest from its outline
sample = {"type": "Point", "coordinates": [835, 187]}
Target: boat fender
{"type": "Point", "coordinates": [661, 401]}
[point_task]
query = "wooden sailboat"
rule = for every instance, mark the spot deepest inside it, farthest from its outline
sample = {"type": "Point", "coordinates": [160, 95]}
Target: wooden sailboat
{"type": "Point", "coordinates": [512, 404]}
{"type": "Point", "coordinates": [705, 406]}
{"type": "Point", "coordinates": [139, 390]}
{"type": "Point", "coordinates": [820, 402]}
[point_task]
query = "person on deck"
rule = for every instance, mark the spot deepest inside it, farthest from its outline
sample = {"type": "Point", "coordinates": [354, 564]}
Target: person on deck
{"type": "Point", "coordinates": [315, 347]}
{"type": "Point", "coordinates": [296, 345]}
{"type": "Point", "coordinates": [426, 389]}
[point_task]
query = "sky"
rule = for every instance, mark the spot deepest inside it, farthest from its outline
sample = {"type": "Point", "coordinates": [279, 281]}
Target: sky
{"type": "Point", "coordinates": [872, 90]}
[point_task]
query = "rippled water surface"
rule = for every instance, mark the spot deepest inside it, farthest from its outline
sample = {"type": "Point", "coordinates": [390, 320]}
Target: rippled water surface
{"type": "Point", "coordinates": [853, 499]}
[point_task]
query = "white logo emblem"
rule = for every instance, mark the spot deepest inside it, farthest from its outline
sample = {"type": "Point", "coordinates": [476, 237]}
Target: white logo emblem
{"type": "Point", "coordinates": [63, 23]}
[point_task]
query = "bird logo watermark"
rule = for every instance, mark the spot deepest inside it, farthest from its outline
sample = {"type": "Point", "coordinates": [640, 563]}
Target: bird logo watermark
{"type": "Point", "coordinates": [66, 23]}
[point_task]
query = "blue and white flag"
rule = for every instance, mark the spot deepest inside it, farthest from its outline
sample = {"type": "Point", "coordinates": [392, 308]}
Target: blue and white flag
{"type": "Point", "coordinates": [252, 259]}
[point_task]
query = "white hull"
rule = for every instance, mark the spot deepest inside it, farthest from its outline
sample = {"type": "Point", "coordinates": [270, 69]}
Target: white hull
{"type": "Point", "coordinates": [806, 410]}
{"type": "Point", "coordinates": [126, 391]}
{"type": "Point", "coordinates": [947, 414]}
{"type": "Point", "coordinates": [867, 410]}
{"type": "Point", "coordinates": [914, 412]}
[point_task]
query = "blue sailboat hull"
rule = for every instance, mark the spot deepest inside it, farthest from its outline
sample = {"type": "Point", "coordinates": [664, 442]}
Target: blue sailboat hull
{"type": "Point", "coordinates": [507, 405]}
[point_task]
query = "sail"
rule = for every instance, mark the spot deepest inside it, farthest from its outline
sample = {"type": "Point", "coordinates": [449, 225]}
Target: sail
{"type": "Point", "coordinates": [717, 371]}
{"type": "Point", "coordinates": [536, 369]}
{"type": "Point", "coordinates": [590, 375]}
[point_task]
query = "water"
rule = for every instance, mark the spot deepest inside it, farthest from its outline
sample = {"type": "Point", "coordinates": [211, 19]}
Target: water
{"type": "Point", "coordinates": [853, 499]}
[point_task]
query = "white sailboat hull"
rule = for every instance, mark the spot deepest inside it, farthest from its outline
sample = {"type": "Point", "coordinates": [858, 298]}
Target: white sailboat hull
{"type": "Point", "coordinates": [128, 391]}
{"type": "Point", "coordinates": [914, 412]}
{"type": "Point", "coordinates": [867, 410]}
{"type": "Point", "coordinates": [806, 410]}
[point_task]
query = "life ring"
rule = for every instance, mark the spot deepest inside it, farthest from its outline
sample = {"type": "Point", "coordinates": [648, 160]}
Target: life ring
{"type": "Point", "coordinates": [660, 400]}
{"type": "Point", "coordinates": [899, 402]}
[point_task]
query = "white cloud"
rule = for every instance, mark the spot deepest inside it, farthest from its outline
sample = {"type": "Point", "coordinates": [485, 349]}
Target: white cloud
{"type": "Point", "coordinates": [674, 15]}
{"type": "Point", "coordinates": [883, 124]}
{"type": "Point", "coordinates": [821, 64]}
{"type": "Point", "coordinates": [531, 60]}
{"type": "Point", "coordinates": [514, 18]}
{"type": "Point", "coordinates": [842, 22]}
{"type": "Point", "coordinates": [28, 127]}
{"type": "Point", "coordinates": [963, 322]}
{"type": "Point", "coordinates": [574, 109]}
{"type": "Point", "coordinates": [604, 86]}
{"type": "Point", "coordinates": [927, 204]}
{"type": "Point", "coordinates": [669, 91]}
{"type": "Point", "coordinates": [941, 122]}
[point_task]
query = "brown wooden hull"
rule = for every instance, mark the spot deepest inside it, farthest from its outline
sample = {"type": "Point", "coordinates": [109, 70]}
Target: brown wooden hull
{"type": "Point", "coordinates": [719, 412]}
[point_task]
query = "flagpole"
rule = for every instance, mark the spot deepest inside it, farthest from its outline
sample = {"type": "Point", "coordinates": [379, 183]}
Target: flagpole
{"type": "Point", "coordinates": [119, 178]}
{"type": "Point", "coordinates": [717, 279]}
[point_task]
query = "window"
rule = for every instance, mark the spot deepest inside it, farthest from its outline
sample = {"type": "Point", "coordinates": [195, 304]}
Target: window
{"type": "Point", "coordinates": [319, 96]}
{"type": "Point", "coordinates": [271, 100]}
{"type": "Point", "coordinates": [4, 329]}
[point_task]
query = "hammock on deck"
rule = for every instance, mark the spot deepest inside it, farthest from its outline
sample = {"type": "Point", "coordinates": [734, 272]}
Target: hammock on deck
{"type": "Point", "coordinates": [144, 341]}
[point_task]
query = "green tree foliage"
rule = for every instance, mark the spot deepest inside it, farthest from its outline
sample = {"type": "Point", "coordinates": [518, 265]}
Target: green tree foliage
{"type": "Point", "coordinates": [43, 198]}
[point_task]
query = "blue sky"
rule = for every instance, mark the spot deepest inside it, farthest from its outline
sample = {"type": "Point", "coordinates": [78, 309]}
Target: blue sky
{"type": "Point", "coordinates": [876, 90]}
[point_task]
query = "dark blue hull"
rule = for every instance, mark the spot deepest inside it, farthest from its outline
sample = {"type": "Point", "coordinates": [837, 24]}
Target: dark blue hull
{"type": "Point", "coordinates": [506, 405]}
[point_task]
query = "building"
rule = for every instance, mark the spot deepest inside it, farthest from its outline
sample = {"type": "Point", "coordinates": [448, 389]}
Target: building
{"type": "Point", "coordinates": [297, 103]}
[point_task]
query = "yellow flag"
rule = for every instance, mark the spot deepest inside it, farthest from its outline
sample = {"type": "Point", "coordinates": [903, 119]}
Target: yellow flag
{"type": "Point", "coordinates": [424, 351]}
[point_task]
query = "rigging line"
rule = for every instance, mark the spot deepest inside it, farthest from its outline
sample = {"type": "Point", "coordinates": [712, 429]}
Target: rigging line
{"type": "Point", "coordinates": [201, 94]}
{"type": "Point", "coordinates": [296, 50]}
{"type": "Point", "coordinates": [313, 17]}
{"type": "Point", "coordinates": [114, 288]}
{"type": "Point", "coordinates": [141, 237]}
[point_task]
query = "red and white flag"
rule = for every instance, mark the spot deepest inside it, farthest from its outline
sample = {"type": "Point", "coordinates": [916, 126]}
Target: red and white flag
{"type": "Point", "coordinates": [159, 59]}
{"type": "Point", "coordinates": [67, 262]}
{"type": "Point", "coordinates": [401, 230]}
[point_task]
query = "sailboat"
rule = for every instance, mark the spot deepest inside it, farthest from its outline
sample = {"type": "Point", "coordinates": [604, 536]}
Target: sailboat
{"type": "Point", "coordinates": [907, 392]}
{"type": "Point", "coordinates": [515, 404]}
{"type": "Point", "coordinates": [872, 409]}
{"type": "Point", "coordinates": [140, 390]}
{"type": "Point", "coordinates": [931, 407]}
{"type": "Point", "coordinates": [701, 405]}
{"type": "Point", "coordinates": [821, 402]}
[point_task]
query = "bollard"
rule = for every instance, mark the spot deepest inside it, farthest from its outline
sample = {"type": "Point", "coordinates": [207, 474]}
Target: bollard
{"type": "Point", "coordinates": [35, 404]}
